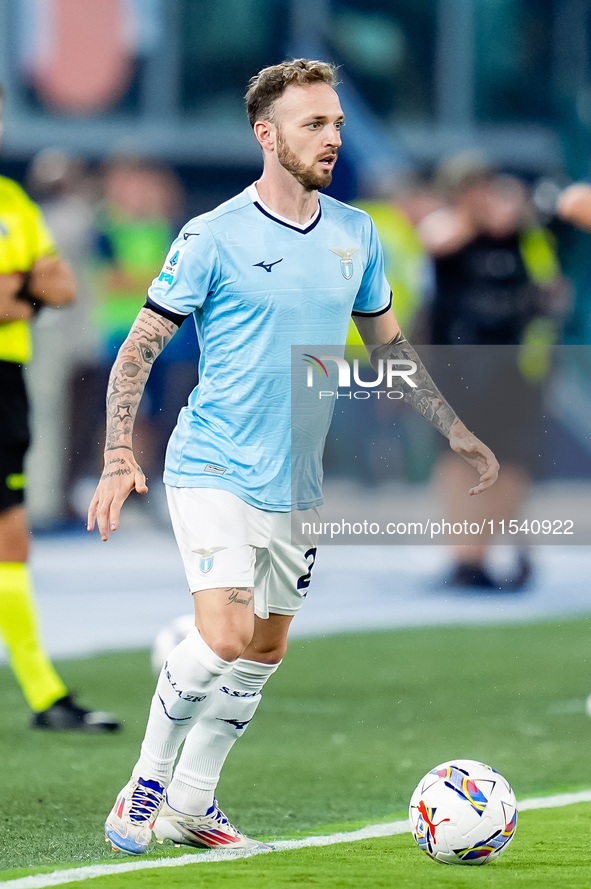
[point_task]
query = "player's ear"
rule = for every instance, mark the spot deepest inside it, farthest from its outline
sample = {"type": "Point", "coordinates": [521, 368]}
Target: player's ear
{"type": "Point", "coordinates": [265, 133]}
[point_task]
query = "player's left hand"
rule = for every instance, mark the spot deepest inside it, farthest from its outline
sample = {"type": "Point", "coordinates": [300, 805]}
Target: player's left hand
{"type": "Point", "coordinates": [477, 454]}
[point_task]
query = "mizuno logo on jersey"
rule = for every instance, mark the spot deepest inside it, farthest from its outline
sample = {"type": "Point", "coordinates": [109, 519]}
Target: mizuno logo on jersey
{"type": "Point", "coordinates": [346, 261]}
{"type": "Point", "coordinates": [189, 234]}
{"type": "Point", "coordinates": [267, 266]}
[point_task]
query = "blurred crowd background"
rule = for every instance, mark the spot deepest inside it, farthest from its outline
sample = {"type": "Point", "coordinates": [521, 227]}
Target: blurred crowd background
{"type": "Point", "coordinates": [466, 119]}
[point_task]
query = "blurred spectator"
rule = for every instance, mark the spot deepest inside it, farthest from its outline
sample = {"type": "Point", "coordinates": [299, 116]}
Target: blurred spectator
{"type": "Point", "coordinates": [142, 202]}
{"type": "Point", "coordinates": [497, 283]}
{"type": "Point", "coordinates": [137, 220]}
{"type": "Point", "coordinates": [360, 442]}
{"type": "Point", "coordinates": [574, 205]}
{"type": "Point", "coordinates": [396, 209]}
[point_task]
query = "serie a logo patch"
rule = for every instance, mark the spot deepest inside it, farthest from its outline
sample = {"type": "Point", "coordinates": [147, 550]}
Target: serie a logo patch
{"type": "Point", "coordinates": [171, 265]}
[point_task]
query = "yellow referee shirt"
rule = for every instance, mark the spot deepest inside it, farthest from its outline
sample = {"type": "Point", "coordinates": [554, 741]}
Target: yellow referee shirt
{"type": "Point", "coordinates": [24, 238]}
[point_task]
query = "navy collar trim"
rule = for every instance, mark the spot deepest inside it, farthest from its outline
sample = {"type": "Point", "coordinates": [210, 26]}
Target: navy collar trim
{"type": "Point", "coordinates": [266, 211]}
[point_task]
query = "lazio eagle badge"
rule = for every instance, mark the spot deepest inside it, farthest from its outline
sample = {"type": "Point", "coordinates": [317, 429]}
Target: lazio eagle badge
{"type": "Point", "coordinates": [346, 261]}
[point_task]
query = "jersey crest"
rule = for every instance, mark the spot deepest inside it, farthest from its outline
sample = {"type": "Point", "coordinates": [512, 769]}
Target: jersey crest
{"type": "Point", "coordinates": [206, 560]}
{"type": "Point", "coordinates": [346, 260]}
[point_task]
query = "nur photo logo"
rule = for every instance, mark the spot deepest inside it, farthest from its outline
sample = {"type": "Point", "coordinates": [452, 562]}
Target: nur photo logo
{"type": "Point", "coordinates": [387, 374]}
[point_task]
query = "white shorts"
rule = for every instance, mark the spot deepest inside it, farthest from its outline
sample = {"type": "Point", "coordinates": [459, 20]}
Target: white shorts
{"type": "Point", "coordinates": [225, 542]}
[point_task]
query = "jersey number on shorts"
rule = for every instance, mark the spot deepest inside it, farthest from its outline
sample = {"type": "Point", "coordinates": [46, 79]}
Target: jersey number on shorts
{"type": "Point", "coordinates": [304, 581]}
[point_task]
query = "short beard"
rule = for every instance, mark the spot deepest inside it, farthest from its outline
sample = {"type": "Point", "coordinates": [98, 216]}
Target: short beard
{"type": "Point", "coordinates": [306, 176]}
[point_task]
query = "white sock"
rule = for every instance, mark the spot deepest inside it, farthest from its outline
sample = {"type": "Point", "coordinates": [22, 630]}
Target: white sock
{"type": "Point", "coordinates": [182, 693]}
{"type": "Point", "coordinates": [211, 738]}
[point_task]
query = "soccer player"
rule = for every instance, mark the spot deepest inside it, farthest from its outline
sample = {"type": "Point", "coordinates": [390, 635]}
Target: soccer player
{"type": "Point", "coordinates": [274, 266]}
{"type": "Point", "coordinates": [32, 275]}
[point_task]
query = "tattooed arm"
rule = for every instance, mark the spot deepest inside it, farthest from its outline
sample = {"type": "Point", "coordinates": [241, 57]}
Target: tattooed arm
{"type": "Point", "coordinates": [384, 335]}
{"type": "Point", "coordinates": [424, 397]}
{"type": "Point", "coordinates": [122, 474]}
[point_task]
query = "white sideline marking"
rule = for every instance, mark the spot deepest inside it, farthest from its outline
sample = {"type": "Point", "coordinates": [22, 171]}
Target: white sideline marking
{"type": "Point", "coordinates": [71, 875]}
{"type": "Point", "coordinates": [553, 802]}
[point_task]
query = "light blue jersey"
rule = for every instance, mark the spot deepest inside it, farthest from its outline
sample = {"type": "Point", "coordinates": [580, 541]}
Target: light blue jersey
{"type": "Point", "coordinates": [258, 284]}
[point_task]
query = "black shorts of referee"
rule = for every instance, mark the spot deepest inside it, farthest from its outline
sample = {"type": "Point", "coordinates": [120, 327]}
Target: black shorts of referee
{"type": "Point", "coordinates": [14, 434]}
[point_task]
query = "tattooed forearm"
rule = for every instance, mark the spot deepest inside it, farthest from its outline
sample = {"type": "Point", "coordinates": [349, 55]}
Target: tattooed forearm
{"type": "Point", "coordinates": [239, 595]}
{"type": "Point", "coordinates": [129, 375]}
{"type": "Point", "coordinates": [424, 397]}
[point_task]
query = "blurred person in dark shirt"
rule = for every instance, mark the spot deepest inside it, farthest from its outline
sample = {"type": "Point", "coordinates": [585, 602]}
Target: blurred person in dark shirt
{"type": "Point", "coordinates": [497, 283]}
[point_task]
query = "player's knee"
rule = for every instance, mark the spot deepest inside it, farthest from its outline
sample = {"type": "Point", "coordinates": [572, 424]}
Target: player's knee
{"type": "Point", "coordinates": [228, 646]}
{"type": "Point", "coordinates": [228, 651]}
{"type": "Point", "coordinates": [272, 657]}
{"type": "Point", "coordinates": [271, 653]}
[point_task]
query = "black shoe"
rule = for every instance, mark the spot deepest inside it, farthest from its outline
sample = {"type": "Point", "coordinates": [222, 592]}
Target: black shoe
{"type": "Point", "coordinates": [66, 715]}
{"type": "Point", "coordinates": [521, 577]}
{"type": "Point", "coordinates": [471, 576]}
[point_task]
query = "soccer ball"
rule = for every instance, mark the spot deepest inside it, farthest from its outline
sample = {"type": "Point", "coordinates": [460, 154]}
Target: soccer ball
{"type": "Point", "coordinates": [168, 638]}
{"type": "Point", "coordinates": [463, 812]}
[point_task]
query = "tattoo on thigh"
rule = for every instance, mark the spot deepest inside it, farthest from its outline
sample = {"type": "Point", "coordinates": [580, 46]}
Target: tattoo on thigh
{"type": "Point", "coordinates": [235, 597]}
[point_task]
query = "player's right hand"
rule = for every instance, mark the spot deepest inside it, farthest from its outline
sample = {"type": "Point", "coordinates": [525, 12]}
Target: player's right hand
{"type": "Point", "coordinates": [477, 454]}
{"type": "Point", "coordinates": [122, 475]}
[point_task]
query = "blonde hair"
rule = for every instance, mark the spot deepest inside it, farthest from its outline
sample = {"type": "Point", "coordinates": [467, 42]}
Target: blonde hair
{"type": "Point", "coordinates": [269, 84]}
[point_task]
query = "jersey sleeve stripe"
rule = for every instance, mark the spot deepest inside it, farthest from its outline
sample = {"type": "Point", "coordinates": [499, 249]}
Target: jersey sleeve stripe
{"type": "Point", "coordinates": [164, 311]}
{"type": "Point", "coordinates": [383, 311]}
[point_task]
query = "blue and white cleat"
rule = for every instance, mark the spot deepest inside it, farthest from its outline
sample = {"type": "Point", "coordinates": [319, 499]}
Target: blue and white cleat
{"type": "Point", "coordinates": [129, 825]}
{"type": "Point", "coordinates": [209, 831]}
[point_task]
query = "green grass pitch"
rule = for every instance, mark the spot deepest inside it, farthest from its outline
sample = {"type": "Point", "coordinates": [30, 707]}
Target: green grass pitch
{"type": "Point", "coordinates": [551, 851]}
{"type": "Point", "coordinates": [345, 731]}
